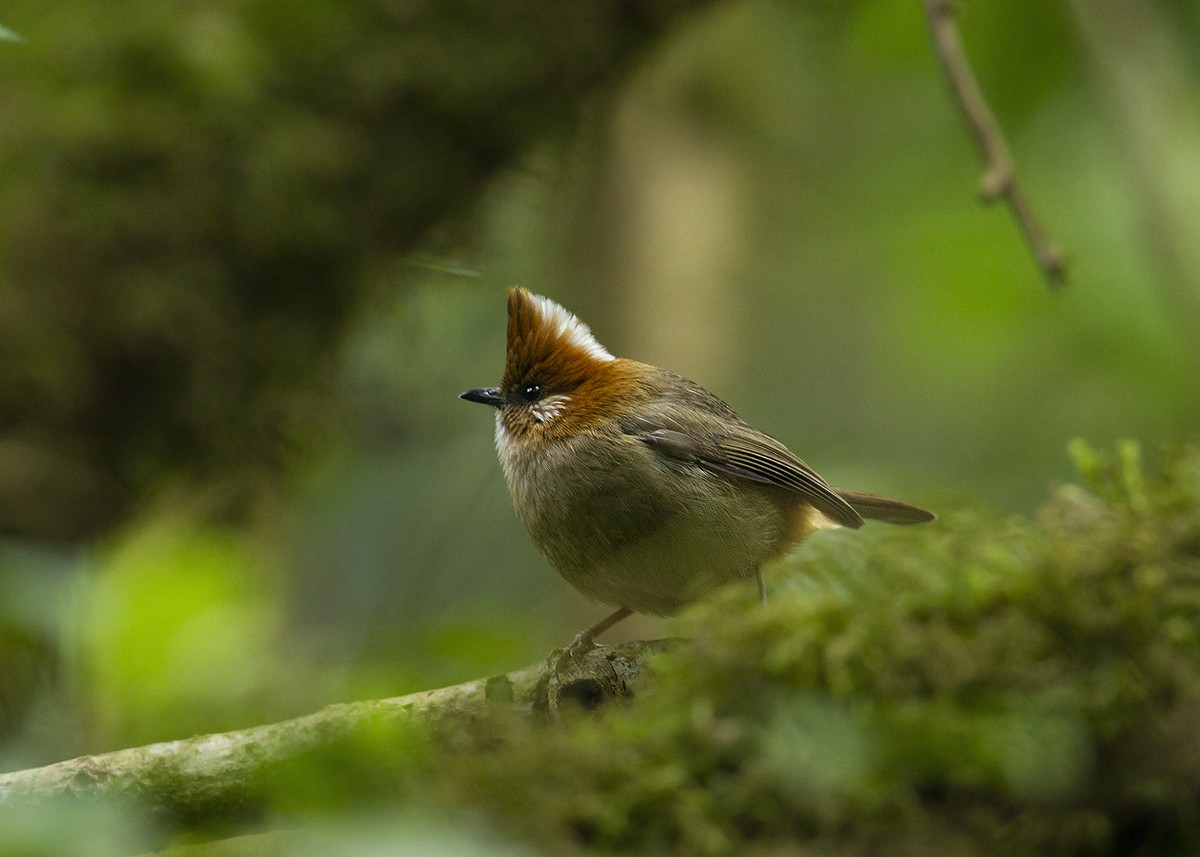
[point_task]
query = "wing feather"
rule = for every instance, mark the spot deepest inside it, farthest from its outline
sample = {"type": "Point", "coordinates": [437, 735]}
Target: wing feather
{"type": "Point", "coordinates": [738, 450]}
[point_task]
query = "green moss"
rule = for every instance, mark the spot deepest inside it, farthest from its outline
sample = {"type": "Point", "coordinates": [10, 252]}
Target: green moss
{"type": "Point", "coordinates": [978, 685]}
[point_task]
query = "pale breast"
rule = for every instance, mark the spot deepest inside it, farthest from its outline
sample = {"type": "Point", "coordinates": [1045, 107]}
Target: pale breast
{"type": "Point", "coordinates": [631, 528]}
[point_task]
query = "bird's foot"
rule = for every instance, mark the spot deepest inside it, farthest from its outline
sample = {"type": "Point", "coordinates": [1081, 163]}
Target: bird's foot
{"type": "Point", "coordinates": [574, 655]}
{"type": "Point", "coordinates": [583, 643]}
{"type": "Point", "coordinates": [582, 674]}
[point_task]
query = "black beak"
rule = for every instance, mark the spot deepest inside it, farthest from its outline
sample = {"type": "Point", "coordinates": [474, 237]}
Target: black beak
{"type": "Point", "coordinates": [484, 395]}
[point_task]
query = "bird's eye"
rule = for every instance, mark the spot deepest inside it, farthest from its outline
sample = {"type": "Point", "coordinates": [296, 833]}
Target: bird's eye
{"type": "Point", "coordinates": [531, 392]}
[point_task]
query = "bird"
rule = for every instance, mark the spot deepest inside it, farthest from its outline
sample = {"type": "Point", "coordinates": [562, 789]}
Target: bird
{"type": "Point", "coordinates": [644, 490]}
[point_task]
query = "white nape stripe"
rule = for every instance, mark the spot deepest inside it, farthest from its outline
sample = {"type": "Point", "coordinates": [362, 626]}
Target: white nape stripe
{"type": "Point", "coordinates": [570, 327]}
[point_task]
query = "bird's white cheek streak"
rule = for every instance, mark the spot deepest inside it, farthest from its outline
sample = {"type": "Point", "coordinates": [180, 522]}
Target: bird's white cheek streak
{"type": "Point", "coordinates": [543, 411]}
{"type": "Point", "coordinates": [548, 408]}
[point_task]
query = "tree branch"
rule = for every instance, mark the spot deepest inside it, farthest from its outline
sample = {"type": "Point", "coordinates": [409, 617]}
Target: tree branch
{"type": "Point", "coordinates": [211, 776]}
{"type": "Point", "coordinates": [999, 177]}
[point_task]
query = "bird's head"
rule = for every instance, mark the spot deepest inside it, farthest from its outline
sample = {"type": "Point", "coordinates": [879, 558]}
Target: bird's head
{"type": "Point", "coordinates": [558, 380]}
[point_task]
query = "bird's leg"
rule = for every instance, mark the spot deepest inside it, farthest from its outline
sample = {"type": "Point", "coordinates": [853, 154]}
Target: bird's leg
{"type": "Point", "coordinates": [762, 587]}
{"type": "Point", "coordinates": [586, 639]}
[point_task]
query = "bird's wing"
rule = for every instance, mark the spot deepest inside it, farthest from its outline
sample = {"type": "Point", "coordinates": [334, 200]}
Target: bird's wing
{"type": "Point", "coordinates": [736, 449]}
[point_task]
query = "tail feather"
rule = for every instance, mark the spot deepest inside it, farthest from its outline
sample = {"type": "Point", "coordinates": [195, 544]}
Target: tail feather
{"type": "Point", "coordinates": [885, 509]}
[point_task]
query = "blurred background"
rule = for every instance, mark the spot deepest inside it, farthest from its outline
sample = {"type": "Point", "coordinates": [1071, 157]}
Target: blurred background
{"type": "Point", "coordinates": [250, 252]}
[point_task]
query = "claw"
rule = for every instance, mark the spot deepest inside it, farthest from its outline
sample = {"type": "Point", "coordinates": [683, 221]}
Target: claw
{"type": "Point", "coordinates": [583, 643]}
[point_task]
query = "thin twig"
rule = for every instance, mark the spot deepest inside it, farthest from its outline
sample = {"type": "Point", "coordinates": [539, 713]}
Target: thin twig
{"type": "Point", "coordinates": [999, 177]}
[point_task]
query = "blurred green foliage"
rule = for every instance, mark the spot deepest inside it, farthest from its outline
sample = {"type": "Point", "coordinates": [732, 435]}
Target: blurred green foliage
{"type": "Point", "coordinates": [178, 627]}
{"type": "Point", "coordinates": [196, 198]}
{"type": "Point", "coordinates": [71, 828]}
{"type": "Point", "coordinates": [230, 319]}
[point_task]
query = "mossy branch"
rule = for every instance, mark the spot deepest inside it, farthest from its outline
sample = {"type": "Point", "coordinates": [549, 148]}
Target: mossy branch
{"type": "Point", "coordinates": [213, 774]}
